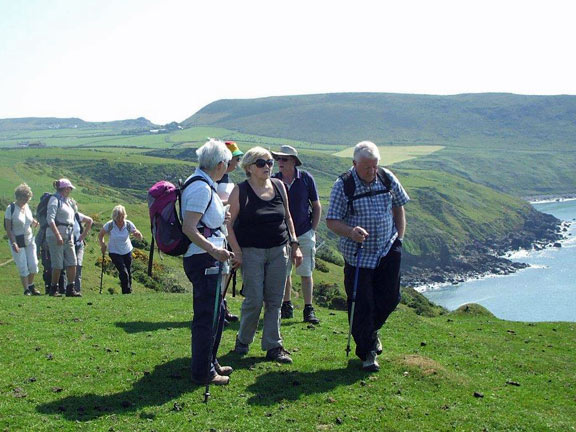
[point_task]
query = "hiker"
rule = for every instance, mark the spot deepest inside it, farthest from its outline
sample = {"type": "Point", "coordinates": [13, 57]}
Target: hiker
{"type": "Point", "coordinates": [119, 245]}
{"type": "Point", "coordinates": [374, 220]}
{"type": "Point", "coordinates": [224, 188]}
{"type": "Point", "coordinates": [305, 209]}
{"type": "Point", "coordinates": [81, 228]}
{"type": "Point", "coordinates": [18, 222]}
{"type": "Point", "coordinates": [60, 238]}
{"type": "Point", "coordinates": [203, 217]}
{"type": "Point", "coordinates": [259, 232]}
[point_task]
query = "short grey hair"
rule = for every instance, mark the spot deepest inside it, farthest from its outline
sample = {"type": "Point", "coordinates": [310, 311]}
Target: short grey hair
{"type": "Point", "coordinates": [212, 153]}
{"type": "Point", "coordinates": [252, 155]}
{"type": "Point", "coordinates": [118, 210]}
{"type": "Point", "coordinates": [366, 149]}
{"type": "Point", "coordinates": [22, 191]}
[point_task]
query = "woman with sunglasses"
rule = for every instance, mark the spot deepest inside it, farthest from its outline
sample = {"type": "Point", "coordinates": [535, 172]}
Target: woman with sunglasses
{"type": "Point", "coordinates": [259, 231]}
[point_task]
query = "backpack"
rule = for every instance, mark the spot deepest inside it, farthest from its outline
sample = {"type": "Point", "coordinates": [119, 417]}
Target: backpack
{"type": "Point", "coordinates": [12, 205]}
{"type": "Point", "coordinates": [350, 188]}
{"type": "Point", "coordinates": [41, 211]}
{"type": "Point", "coordinates": [165, 209]}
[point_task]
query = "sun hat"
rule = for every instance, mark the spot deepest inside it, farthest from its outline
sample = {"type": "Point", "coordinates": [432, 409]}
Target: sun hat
{"type": "Point", "coordinates": [287, 150]}
{"type": "Point", "coordinates": [233, 147]}
{"type": "Point", "coordinates": [64, 183]}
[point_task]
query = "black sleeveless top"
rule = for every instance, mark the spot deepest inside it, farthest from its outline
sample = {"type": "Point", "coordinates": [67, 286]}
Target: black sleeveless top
{"type": "Point", "coordinates": [261, 224]}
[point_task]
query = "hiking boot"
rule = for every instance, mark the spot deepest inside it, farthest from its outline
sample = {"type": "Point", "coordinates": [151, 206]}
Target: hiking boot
{"type": "Point", "coordinates": [377, 344]}
{"type": "Point", "coordinates": [371, 364]}
{"type": "Point", "coordinates": [27, 292]}
{"type": "Point", "coordinates": [287, 310]}
{"type": "Point", "coordinates": [32, 289]}
{"type": "Point", "coordinates": [71, 292]}
{"type": "Point", "coordinates": [230, 317]}
{"type": "Point", "coordinates": [278, 354]}
{"type": "Point", "coordinates": [223, 370]}
{"type": "Point", "coordinates": [309, 315]}
{"type": "Point", "coordinates": [241, 348]}
{"type": "Point", "coordinates": [54, 291]}
{"type": "Point", "coordinates": [220, 380]}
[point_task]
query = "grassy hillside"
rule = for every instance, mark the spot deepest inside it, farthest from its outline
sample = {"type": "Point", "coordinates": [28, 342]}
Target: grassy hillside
{"type": "Point", "coordinates": [122, 363]}
{"type": "Point", "coordinates": [523, 145]}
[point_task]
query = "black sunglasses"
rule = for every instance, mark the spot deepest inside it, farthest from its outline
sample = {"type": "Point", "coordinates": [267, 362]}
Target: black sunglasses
{"type": "Point", "coordinates": [260, 163]}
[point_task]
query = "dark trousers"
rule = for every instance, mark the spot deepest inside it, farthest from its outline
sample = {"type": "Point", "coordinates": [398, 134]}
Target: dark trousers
{"type": "Point", "coordinates": [124, 265]}
{"type": "Point", "coordinates": [377, 295]}
{"type": "Point", "coordinates": [205, 341]}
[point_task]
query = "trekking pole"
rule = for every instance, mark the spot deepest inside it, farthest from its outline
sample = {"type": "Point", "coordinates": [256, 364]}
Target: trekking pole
{"type": "Point", "coordinates": [229, 277]}
{"type": "Point", "coordinates": [215, 320]}
{"type": "Point", "coordinates": [102, 273]}
{"type": "Point", "coordinates": [354, 289]}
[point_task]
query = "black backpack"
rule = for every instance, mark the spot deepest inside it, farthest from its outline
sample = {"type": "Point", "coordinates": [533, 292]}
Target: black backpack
{"type": "Point", "coordinates": [41, 211]}
{"type": "Point", "coordinates": [350, 188]}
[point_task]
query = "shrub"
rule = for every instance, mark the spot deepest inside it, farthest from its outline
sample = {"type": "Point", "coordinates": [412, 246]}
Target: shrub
{"type": "Point", "coordinates": [321, 266]}
{"type": "Point", "coordinates": [330, 255]}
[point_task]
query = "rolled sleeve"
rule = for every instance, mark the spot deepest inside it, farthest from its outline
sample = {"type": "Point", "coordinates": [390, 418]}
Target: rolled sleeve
{"type": "Point", "coordinates": [337, 206]}
{"type": "Point", "coordinates": [201, 194]}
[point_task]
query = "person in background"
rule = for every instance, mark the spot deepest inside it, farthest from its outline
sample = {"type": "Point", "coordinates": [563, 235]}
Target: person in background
{"type": "Point", "coordinates": [60, 238]}
{"type": "Point", "coordinates": [259, 240]}
{"type": "Point", "coordinates": [224, 188]}
{"type": "Point", "coordinates": [119, 245]}
{"type": "Point", "coordinates": [306, 210]}
{"type": "Point", "coordinates": [18, 222]}
{"type": "Point", "coordinates": [80, 234]}
{"type": "Point", "coordinates": [203, 218]}
{"type": "Point", "coordinates": [376, 222]}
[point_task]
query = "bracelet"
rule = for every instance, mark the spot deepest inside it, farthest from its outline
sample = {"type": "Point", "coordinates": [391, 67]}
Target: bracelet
{"type": "Point", "coordinates": [296, 242]}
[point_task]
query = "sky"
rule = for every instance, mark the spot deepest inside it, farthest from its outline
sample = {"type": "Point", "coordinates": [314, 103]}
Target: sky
{"type": "Point", "coordinates": [103, 60]}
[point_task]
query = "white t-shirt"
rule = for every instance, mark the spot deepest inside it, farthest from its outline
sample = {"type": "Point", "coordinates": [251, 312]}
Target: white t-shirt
{"type": "Point", "coordinates": [119, 242]}
{"type": "Point", "coordinates": [76, 227]}
{"type": "Point", "coordinates": [21, 221]}
{"type": "Point", "coordinates": [195, 199]}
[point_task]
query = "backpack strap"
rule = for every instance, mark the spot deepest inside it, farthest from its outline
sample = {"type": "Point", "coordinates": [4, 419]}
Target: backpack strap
{"type": "Point", "coordinates": [207, 231]}
{"type": "Point", "coordinates": [12, 206]}
{"type": "Point", "coordinates": [349, 185]}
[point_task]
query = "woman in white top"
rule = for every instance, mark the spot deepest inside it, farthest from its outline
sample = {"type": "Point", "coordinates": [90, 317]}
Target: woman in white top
{"type": "Point", "coordinates": [203, 217]}
{"type": "Point", "coordinates": [119, 245]}
{"type": "Point", "coordinates": [19, 222]}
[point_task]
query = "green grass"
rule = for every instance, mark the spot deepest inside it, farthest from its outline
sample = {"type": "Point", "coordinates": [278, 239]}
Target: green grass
{"type": "Point", "coordinates": [122, 363]}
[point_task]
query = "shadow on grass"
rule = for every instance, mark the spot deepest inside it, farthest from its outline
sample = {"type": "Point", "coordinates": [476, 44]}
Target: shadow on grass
{"type": "Point", "coordinates": [274, 387]}
{"type": "Point", "coordinates": [166, 382]}
{"type": "Point", "coordinates": [147, 326]}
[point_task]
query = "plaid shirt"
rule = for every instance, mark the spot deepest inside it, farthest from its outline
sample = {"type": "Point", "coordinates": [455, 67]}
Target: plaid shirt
{"type": "Point", "coordinates": [373, 213]}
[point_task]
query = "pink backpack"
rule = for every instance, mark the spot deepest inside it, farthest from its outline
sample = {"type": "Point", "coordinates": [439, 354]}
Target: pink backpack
{"type": "Point", "coordinates": [165, 209]}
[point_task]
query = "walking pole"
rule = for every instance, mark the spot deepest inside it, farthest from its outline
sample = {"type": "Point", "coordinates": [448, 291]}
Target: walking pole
{"type": "Point", "coordinates": [354, 289]}
{"type": "Point", "coordinates": [229, 277]}
{"type": "Point", "coordinates": [102, 273]}
{"type": "Point", "coordinates": [215, 320]}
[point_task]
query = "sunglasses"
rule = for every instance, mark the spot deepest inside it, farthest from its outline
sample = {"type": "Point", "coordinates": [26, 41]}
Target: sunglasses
{"type": "Point", "coordinates": [261, 163]}
{"type": "Point", "coordinates": [283, 159]}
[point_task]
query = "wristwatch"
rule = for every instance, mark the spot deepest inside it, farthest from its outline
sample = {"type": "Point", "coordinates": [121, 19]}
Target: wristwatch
{"type": "Point", "coordinates": [296, 242]}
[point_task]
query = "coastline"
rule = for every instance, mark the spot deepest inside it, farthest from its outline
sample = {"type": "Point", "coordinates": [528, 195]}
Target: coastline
{"type": "Point", "coordinates": [490, 258]}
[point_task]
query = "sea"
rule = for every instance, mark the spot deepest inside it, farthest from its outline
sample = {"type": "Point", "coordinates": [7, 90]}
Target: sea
{"type": "Point", "coordinates": [545, 291]}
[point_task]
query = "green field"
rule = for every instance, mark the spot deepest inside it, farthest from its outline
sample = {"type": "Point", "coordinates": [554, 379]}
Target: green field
{"type": "Point", "coordinates": [394, 154]}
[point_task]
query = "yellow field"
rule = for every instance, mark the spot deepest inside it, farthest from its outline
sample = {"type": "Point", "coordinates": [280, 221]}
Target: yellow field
{"type": "Point", "coordinates": [394, 154]}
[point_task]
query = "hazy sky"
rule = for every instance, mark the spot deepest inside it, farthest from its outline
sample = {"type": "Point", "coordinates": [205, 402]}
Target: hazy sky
{"type": "Point", "coordinates": [115, 59]}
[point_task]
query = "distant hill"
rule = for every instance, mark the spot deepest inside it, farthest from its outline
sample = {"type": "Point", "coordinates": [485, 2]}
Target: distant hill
{"type": "Point", "coordinates": [41, 123]}
{"type": "Point", "coordinates": [387, 118]}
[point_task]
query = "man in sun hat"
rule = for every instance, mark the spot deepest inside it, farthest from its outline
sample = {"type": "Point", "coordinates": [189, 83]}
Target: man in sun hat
{"type": "Point", "coordinates": [305, 209]}
{"type": "Point", "coordinates": [224, 187]}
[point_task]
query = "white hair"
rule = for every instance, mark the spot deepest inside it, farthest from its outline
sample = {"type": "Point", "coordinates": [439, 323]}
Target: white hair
{"type": "Point", "coordinates": [212, 153]}
{"type": "Point", "coordinates": [366, 149]}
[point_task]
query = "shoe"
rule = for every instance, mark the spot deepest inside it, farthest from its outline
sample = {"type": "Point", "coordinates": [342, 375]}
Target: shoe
{"type": "Point", "coordinates": [27, 292]}
{"type": "Point", "coordinates": [223, 370]}
{"type": "Point", "coordinates": [220, 380]}
{"type": "Point", "coordinates": [71, 292]}
{"type": "Point", "coordinates": [226, 322]}
{"type": "Point", "coordinates": [32, 289]}
{"type": "Point", "coordinates": [371, 364]}
{"type": "Point", "coordinates": [287, 310]}
{"type": "Point", "coordinates": [241, 348]}
{"type": "Point", "coordinates": [54, 291]}
{"type": "Point", "coordinates": [278, 354]}
{"type": "Point", "coordinates": [377, 344]}
{"type": "Point", "coordinates": [230, 317]}
{"type": "Point", "coordinates": [309, 315]}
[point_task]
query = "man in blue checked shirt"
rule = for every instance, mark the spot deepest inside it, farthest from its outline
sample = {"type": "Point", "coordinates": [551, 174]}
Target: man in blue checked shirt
{"type": "Point", "coordinates": [375, 219]}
